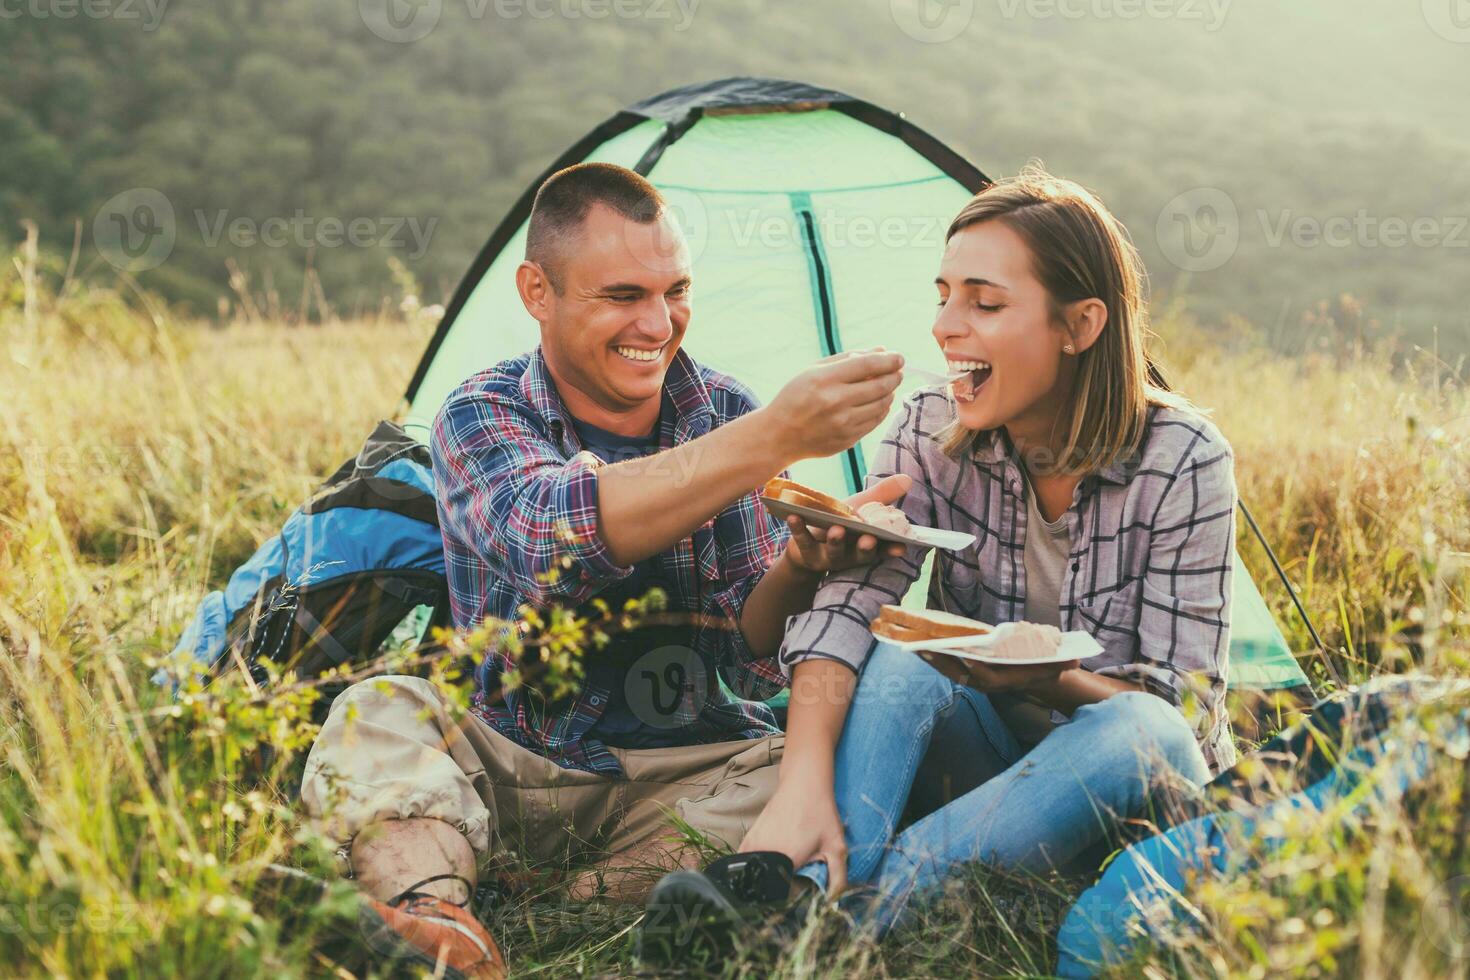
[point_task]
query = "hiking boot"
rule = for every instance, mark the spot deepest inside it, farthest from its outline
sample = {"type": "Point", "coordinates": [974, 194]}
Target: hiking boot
{"type": "Point", "coordinates": [415, 927]}
{"type": "Point", "coordinates": [692, 917]}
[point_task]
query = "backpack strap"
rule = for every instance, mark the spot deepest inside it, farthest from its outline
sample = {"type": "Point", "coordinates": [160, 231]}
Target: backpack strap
{"type": "Point", "coordinates": [378, 493]}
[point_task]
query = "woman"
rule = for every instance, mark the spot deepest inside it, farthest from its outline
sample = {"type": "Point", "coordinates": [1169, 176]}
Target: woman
{"type": "Point", "coordinates": [1099, 503]}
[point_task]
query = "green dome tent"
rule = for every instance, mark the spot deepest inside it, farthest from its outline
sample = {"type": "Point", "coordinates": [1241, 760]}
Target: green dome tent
{"type": "Point", "coordinates": [816, 222]}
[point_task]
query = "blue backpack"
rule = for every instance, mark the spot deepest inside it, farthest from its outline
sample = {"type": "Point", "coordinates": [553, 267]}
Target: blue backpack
{"type": "Point", "coordinates": [359, 562]}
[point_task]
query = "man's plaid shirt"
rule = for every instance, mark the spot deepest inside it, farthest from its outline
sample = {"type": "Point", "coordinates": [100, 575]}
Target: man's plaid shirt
{"type": "Point", "coordinates": [1149, 576]}
{"type": "Point", "coordinates": [518, 495]}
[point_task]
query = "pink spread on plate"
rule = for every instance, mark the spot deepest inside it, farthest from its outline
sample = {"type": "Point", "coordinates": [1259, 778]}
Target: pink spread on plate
{"type": "Point", "coordinates": [881, 515]}
{"type": "Point", "coordinates": [1025, 641]}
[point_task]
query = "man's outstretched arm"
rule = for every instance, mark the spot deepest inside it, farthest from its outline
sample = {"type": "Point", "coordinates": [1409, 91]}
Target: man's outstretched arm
{"type": "Point", "coordinates": [647, 505]}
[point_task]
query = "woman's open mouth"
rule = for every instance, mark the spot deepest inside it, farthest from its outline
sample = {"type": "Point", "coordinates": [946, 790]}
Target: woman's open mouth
{"type": "Point", "coordinates": [976, 373]}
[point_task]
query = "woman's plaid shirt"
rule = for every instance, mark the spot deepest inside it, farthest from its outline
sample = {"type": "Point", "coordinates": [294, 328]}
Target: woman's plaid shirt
{"type": "Point", "coordinates": [518, 506]}
{"type": "Point", "coordinates": [1150, 573]}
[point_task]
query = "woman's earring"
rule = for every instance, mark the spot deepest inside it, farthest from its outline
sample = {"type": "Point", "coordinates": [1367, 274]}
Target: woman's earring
{"type": "Point", "coordinates": [1067, 349]}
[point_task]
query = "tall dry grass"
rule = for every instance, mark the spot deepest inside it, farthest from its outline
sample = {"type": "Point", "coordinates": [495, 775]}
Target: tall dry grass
{"type": "Point", "coordinates": [1357, 466]}
{"type": "Point", "coordinates": [141, 459]}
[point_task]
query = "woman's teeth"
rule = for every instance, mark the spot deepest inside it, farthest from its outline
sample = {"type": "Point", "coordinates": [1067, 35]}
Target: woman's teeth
{"type": "Point", "coordinates": [634, 354]}
{"type": "Point", "coordinates": [974, 375]}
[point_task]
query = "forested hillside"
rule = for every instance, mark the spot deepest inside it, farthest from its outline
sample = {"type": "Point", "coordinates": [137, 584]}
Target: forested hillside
{"type": "Point", "coordinates": [1333, 141]}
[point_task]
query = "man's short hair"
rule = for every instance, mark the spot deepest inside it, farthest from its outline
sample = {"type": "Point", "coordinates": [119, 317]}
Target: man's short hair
{"type": "Point", "coordinates": [564, 199]}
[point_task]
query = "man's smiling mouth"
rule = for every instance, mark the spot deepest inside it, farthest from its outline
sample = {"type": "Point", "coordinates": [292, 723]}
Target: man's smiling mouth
{"type": "Point", "coordinates": [976, 373]}
{"type": "Point", "coordinates": [638, 354]}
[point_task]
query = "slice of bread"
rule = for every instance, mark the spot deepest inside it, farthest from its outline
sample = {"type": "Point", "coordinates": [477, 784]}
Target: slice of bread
{"type": "Point", "coordinates": [898, 634]}
{"type": "Point", "coordinates": [791, 492]}
{"type": "Point", "coordinates": [908, 625]}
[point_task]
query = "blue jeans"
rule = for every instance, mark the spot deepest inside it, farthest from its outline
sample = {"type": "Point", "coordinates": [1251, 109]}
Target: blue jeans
{"type": "Point", "coordinates": [1141, 890]}
{"type": "Point", "coordinates": [1032, 810]}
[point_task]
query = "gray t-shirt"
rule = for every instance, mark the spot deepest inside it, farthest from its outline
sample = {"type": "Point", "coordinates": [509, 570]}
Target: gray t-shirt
{"type": "Point", "coordinates": [1048, 547]}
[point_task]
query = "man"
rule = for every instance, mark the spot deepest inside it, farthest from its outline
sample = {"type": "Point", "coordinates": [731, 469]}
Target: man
{"type": "Point", "coordinates": [602, 464]}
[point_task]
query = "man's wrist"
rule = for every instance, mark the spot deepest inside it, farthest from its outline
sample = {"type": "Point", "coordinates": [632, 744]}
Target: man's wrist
{"type": "Point", "coordinates": [778, 438]}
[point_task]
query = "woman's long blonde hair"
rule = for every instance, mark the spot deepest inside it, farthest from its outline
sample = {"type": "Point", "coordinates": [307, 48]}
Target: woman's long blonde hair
{"type": "Point", "coordinates": [1080, 251]}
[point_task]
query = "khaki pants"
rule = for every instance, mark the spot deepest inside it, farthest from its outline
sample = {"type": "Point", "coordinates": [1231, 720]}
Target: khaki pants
{"type": "Point", "coordinates": [390, 751]}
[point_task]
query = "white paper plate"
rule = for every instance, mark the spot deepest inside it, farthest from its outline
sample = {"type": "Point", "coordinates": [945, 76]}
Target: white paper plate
{"type": "Point", "coordinates": [1076, 645]}
{"type": "Point", "coordinates": [928, 537]}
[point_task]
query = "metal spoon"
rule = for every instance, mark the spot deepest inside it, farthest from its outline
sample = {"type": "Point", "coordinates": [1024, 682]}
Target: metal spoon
{"type": "Point", "coordinates": [934, 376]}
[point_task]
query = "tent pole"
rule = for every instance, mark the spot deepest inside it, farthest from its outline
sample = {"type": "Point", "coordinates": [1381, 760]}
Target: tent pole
{"type": "Point", "coordinates": [1295, 599]}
